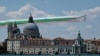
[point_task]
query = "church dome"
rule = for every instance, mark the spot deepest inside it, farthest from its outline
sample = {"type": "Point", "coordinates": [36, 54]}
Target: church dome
{"type": "Point", "coordinates": [31, 27]}
{"type": "Point", "coordinates": [15, 28]}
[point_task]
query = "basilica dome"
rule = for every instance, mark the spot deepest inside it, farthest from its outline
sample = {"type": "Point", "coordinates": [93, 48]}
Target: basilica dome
{"type": "Point", "coordinates": [31, 27]}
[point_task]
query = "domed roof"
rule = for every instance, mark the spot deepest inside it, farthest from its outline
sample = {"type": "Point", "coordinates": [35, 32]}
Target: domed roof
{"type": "Point", "coordinates": [31, 27]}
{"type": "Point", "coordinates": [15, 28]}
{"type": "Point", "coordinates": [59, 38]}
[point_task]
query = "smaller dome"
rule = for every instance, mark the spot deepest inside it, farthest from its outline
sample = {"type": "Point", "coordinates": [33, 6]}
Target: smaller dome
{"type": "Point", "coordinates": [31, 27]}
{"type": "Point", "coordinates": [16, 30]}
{"type": "Point", "coordinates": [59, 38]}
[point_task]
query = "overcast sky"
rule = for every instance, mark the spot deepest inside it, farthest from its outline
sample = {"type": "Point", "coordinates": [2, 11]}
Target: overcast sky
{"type": "Point", "coordinates": [20, 9]}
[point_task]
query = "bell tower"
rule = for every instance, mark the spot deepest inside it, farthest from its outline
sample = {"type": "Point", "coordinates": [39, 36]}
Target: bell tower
{"type": "Point", "coordinates": [10, 33]}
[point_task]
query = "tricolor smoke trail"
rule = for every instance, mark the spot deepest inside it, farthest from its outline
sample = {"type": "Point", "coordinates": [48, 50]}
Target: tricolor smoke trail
{"type": "Point", "coordinates": [49, 19]}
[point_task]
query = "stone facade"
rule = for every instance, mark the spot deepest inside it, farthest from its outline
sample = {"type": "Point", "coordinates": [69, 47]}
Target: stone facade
{"type": "Point", "coordinates": [93, 46]}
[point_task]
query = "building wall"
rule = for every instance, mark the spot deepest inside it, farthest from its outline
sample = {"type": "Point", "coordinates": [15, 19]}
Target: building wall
{"type": "Point", "coordinates": [93, 46]}
{"type": "Point", "coordinates": [46, 50]}
{"type": "Point", "coordinates": [36, 46]}
{"type": "Point", "coordinates": [13, 46]}
{"type": "Point", "coordinates": [98, 49]}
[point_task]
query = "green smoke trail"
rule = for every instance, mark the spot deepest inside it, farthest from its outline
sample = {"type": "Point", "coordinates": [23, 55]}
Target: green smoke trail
{"type": "Point", "coordinates": [42, 20]}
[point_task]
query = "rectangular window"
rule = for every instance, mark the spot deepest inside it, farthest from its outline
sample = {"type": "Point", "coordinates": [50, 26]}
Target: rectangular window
{"type": "Point", "coordinates": [46, 48]}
